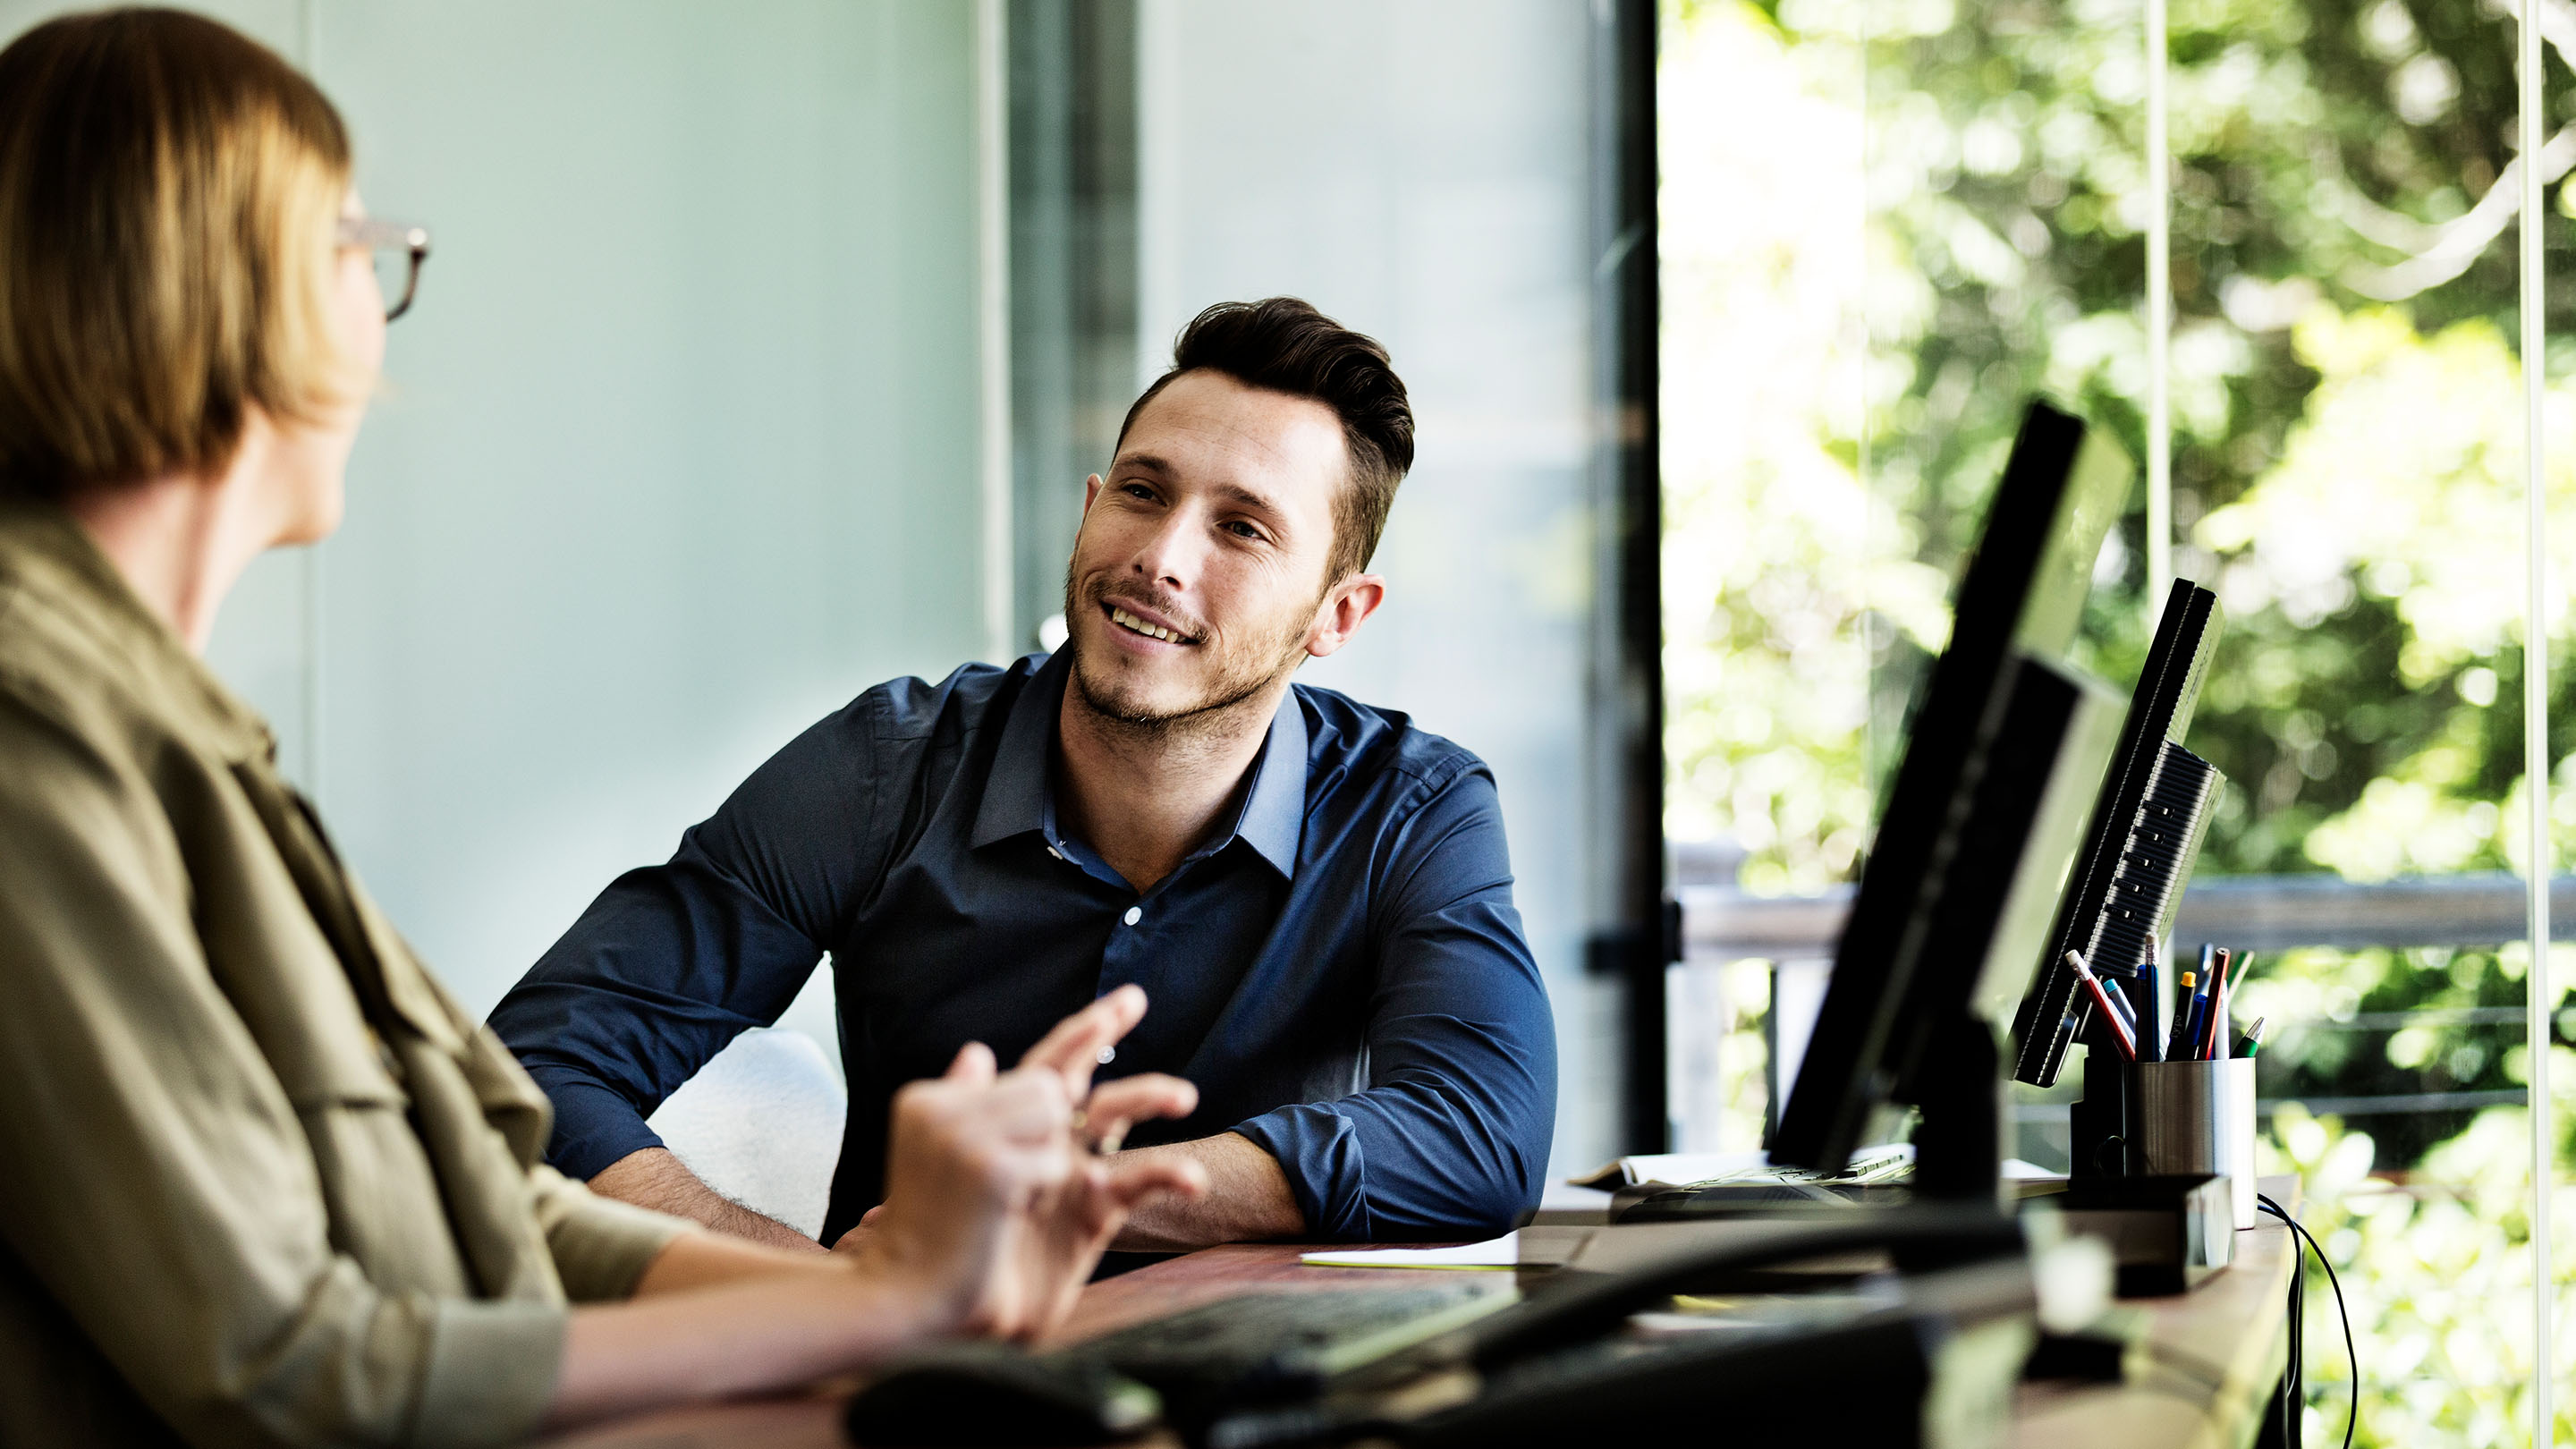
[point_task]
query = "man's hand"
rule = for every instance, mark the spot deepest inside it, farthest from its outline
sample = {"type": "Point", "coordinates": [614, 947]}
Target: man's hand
{"type": "Point", "coordinates": [1247, 1201]}
{"type": "Point", "coordinates": [652, 1177]}
{"type": "Point", "coordinates": [998, 1202]}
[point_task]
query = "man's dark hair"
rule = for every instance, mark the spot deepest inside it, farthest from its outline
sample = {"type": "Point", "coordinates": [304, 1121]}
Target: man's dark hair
{"type": "Point", "coordinates": [1284, 345]}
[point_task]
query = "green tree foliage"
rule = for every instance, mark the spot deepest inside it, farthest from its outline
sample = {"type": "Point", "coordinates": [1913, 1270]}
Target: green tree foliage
{"type": "Point", "coordinates": [1887, 222]}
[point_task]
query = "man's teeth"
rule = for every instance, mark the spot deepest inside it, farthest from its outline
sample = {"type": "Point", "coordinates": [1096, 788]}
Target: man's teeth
{"type": "Point", "coordinates": [1151, 631]}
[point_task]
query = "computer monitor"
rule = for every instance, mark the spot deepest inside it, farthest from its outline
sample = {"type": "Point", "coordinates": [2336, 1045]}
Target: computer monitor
{"type": "Point", "coordinates": [2127, 880]}
{"type": "Point", "coordinates": [2005, 750]}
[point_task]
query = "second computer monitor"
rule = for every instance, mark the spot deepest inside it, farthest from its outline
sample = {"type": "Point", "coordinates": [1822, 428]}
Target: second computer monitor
{"type": "Point", "coordinates": [2146, 831]}
{"type": "Point", "coordinates": [1913, 952]}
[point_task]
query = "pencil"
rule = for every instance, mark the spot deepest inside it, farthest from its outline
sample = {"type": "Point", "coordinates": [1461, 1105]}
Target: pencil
{"type": "Point", "coordinates": [2218, 1016]}
{"type": "Point", "coordinates": [2102, 998]}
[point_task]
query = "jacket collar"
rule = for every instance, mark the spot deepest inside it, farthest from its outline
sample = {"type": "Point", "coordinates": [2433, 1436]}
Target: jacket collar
{"type": "Point", "coordinates": [46, 553]}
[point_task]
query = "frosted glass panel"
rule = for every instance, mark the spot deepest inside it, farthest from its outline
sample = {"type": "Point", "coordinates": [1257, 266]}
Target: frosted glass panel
{"type": "Point", "coordinates": [1423, 173]}
{"type": "Point", "coordinates": [675, 453]}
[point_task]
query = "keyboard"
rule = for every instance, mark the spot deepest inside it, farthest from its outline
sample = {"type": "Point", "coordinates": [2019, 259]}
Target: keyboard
{"type": "Point", "coordinates": [1270, 1347]}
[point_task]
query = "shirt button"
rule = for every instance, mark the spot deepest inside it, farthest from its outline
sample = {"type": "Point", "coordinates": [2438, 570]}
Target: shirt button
{"type": "Point", "coordinates": [1135, 914]}
{"type": "Point", "coordinates": [1106, 1055]}
{"type": "Point", "coordinates": [1058, 854]}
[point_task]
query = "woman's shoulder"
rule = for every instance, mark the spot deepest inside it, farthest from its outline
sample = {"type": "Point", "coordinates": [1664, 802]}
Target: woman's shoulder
{"type": "Point", "coordinates": [79, 655]}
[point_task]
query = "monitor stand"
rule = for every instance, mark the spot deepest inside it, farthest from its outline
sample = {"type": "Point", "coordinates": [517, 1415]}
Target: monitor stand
{"type": "Point", "coordinates": [2097, 1123]}
{"type": "Point", "coordinates": [1958, 1087]}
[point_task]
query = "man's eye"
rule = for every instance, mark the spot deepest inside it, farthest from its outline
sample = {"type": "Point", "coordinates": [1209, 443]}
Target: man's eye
{"type": "Point", "coordinates": [1241, 529]}
{"type": "Point", "coordinates": [1140, 491]}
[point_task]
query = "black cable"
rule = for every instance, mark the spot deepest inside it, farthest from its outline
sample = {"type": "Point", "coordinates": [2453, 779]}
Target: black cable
{"type": "Point", "coordinates": [2294, 1396]}
{"type": "Point", "coordinates": [2350, 1352]}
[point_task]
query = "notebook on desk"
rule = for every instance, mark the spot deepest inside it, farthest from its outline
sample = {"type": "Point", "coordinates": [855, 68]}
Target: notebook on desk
{"type": "Point", "coordinates": [1681, 1186]}
{"type": "Point", "coordinates": [1887, 1162]}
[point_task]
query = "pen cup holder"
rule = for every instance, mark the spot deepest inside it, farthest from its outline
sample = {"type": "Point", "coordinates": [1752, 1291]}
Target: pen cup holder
{"type": "Point", "coordinates": [2199, 1117]}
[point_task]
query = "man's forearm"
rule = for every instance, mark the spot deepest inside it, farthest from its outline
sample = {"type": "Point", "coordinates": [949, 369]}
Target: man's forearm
{"type": "Point", "coordinates": [652, 1177]}
{"type": "Point", "coordinates": [1247, 1199]}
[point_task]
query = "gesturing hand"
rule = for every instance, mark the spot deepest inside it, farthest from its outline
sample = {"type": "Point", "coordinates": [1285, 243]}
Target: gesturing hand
{"type": "Point", "coordinates": [996, 1204]}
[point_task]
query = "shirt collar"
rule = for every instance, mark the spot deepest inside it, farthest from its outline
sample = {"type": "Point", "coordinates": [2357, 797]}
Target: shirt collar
{"type": "Point", "coordinates": [1017, 799]}
{"type": "Point", "coordinates": [1274, 809]}
{"type": "Point", "coordinates": [1015, 793]}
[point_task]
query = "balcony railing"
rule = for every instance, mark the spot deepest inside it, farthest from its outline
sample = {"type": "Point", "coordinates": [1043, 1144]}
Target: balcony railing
{"type": "Point", "coordinates": [1723, 923]}
{"type": "Point", "coordinates": [2255, 913]}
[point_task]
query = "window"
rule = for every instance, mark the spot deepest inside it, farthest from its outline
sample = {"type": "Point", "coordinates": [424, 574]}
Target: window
{"type": "Point", "coordinates": [1883, 226]}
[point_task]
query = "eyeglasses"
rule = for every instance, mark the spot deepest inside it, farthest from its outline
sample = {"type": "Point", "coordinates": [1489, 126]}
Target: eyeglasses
{"type": "Point", "coordinates": [399, 249]}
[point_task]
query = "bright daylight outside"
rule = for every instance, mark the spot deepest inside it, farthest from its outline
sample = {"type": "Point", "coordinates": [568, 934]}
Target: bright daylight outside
{"type": "Point", "coordinates": [1884, 226]}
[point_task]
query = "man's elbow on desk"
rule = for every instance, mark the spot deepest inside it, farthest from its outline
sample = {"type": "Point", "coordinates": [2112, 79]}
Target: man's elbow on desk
{"type": "Point", "coordinates": [1251, 1198]}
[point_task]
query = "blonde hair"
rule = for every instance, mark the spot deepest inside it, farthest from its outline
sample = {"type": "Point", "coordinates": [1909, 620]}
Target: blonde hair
{"type": "Point", "coordinates": [169, 200]}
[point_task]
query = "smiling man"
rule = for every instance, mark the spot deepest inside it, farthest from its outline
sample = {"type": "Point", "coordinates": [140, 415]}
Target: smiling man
{"type": "Point", "coordinates": [1314, 894]}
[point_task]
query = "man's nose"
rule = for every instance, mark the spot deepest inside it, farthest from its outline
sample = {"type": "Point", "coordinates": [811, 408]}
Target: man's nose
{"type": "Point", "coordinates": [1171, 556]}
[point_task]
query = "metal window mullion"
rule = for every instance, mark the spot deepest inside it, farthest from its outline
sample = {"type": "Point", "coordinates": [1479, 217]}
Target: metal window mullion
{"type": "Point", "coordinates": [2159, 318]}
{"type": "Point", "coordinates": [2535, 715]}
{"type": "Point", "coordinates": [308, 39]}
{"type": "Point", "coordinates": [993, 328]}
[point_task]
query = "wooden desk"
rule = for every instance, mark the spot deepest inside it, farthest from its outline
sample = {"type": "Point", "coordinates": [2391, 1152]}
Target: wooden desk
{"type": "Point", "coordinates": [2203, 1379]}
{"type": "Point", "coordinates": [2206, 1373]}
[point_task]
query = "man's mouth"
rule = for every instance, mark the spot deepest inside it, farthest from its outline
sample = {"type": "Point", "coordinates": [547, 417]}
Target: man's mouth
{"type": "Point", "coordinates": [1133, 624]}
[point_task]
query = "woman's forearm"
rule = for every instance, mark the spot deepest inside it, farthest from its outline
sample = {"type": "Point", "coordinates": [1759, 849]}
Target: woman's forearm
{"type": "Point", "coordinates": [995, 1213]}
{"type": "Point", "coordinates": [759, 1334]}
{"type": "Point", "coordinates": [697, 1259]}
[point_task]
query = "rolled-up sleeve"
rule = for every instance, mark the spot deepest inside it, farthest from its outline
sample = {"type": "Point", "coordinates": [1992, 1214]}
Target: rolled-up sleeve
{"type": "Point", "coordinates": [674, 961]}
{"type": "Point", "coordinates": [161, 1187]}
{"type": "Point", "coordinates": [1451, 1134]}
{"type": "Point", "coordinates": [600, 1247]}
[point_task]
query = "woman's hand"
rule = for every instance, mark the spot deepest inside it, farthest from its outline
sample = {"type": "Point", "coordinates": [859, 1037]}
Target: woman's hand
{"type": "Point", "coordinates": [998, 1201]}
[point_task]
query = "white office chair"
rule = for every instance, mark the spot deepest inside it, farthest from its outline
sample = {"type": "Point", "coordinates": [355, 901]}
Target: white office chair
{"type": "Point", "coordinates": [761, 1124]}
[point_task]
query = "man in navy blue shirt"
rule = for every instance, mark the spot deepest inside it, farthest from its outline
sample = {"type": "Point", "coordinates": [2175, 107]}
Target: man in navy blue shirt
{"type": "Point", "coordinates": [1314, 895]}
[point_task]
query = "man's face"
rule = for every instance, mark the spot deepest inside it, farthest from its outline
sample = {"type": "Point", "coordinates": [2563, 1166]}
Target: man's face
{"type": "Point", "coordinates": [1198, 576]}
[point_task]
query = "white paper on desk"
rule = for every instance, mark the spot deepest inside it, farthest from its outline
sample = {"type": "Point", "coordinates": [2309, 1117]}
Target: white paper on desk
{"type": "Point", "coordinates": [1544, 1245]}
{"type": "Point", "coordinates": [1675, 1169]}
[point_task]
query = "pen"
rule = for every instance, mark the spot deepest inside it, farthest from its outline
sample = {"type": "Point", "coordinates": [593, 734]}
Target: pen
{"type": "Point", "coordinates": [2181, 1019]}
{"type": "Point", "coordinates": [2195, 1033]}
{"type": "Point", "coordinates": [2252, 1041]}
{"type": "Point", "coordinates": [2151, 1000]}
{"type": "Point", "coordinates": [2093, 983]}
{"type": "Point", "coordinates": [2121, 1006]}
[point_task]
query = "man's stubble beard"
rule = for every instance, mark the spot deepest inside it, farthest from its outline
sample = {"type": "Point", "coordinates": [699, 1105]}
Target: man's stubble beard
{"type": "Point", "coordinates": [1228, 691]}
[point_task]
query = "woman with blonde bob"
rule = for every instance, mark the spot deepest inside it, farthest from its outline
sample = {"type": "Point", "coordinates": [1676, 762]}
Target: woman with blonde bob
{"type": "Point", "coordinates": [261, 1181]}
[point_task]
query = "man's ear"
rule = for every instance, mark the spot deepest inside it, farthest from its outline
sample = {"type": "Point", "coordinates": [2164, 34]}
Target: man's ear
{"type": "Point", "coordinates": [1344, 610]}
{"type": "Point", "coordinates": [1090, 491]}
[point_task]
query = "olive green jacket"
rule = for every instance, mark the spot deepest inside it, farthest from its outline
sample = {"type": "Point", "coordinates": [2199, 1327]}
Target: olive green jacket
{"type": "Point", "coordinates": [261, 1181]}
